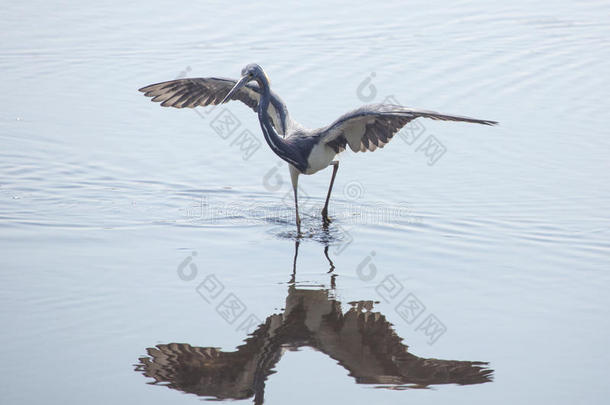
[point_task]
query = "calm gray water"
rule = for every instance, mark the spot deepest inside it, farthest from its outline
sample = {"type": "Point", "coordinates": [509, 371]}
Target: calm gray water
{"type": "Point", "coordinates": [142, 245]}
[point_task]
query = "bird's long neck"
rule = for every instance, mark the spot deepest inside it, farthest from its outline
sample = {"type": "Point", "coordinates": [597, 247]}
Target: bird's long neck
{"type": "Point", "coordinates": [277, 143]}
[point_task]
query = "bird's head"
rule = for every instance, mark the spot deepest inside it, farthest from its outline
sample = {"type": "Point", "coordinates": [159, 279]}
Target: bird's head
{"type": "Point", "coordinates": [254, 71]}
{"type": "Point", "coordinates": [249, 73]}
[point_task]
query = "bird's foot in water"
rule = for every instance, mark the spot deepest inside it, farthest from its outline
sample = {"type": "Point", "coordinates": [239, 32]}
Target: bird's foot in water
{"type": "Point", "coordinates": [298, 226]}
{"type": "Point", "coordinates": [325, 217]}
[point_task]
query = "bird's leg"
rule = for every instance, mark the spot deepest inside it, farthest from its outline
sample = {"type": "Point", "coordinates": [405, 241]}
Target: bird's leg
{"type": "Point", "coordinates": [294, 177]}
{"type": "Point", "coordinates": [335, 164]}
{"type": "Point", "coordinates": [296, 208]}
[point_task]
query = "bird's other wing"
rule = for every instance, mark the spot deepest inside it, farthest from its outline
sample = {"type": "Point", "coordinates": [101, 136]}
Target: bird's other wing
{"type": "Point", "coordinates": [372, 126]}
{"type": "Point", "coordinates": [191, 93]}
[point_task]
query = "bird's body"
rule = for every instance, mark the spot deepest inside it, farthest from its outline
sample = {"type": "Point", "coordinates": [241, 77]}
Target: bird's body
{"type": "Point", "coordinates": [306, 151]}
{"type": "Point", "coordinates": [319, 158]}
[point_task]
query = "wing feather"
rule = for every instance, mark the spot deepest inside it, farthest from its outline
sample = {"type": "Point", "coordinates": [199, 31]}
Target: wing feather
{"type": "Point", "coordinates": [195, 92]}
{"type": "Point", "coordinates": [373, 126]}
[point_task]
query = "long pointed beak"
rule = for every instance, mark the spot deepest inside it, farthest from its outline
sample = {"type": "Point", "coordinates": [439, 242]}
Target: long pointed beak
{"type": "Point", "coordinates": [241, 83]}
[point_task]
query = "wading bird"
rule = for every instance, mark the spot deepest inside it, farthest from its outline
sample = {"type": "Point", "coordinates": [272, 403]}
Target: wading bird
{"type": "Point", "coordinates": [306, 151]}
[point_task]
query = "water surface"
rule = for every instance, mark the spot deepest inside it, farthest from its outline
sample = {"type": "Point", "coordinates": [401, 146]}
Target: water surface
{"type": "Point", "coordinates": [475, 275]}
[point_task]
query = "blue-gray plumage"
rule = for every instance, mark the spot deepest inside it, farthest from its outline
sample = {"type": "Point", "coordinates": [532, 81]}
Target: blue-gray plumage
{"type": "Point", "coordinates": [307, 151]}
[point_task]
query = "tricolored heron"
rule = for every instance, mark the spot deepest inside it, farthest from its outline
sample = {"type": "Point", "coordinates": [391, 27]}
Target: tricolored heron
{"type": "Point", "coordinates": [306, 151]}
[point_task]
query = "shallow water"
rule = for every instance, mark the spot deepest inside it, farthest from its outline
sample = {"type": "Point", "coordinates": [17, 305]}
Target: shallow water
{"type": "Point", "coordinates": [474, 275]}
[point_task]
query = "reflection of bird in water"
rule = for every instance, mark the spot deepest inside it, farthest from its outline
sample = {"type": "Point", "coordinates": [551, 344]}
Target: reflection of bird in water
{"type": "Point", "coordinates": [360, 340]}
{"type": "Point", "coordinates": [306, 151]}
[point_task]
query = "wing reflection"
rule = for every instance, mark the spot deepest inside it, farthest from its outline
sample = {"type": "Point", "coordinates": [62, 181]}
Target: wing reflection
{"type": "Point", "coordinates": [360, 339]}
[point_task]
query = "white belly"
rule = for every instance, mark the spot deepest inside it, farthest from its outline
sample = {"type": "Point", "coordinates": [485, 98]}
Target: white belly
{"type": "Point", "coordinates": [319, 158]}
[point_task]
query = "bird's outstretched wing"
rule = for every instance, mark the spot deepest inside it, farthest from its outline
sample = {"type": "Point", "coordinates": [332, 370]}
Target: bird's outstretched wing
{"type": "Point", "coordinates": [190, 93]}
{"type": "Point", "coordinates": [372, 126]}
